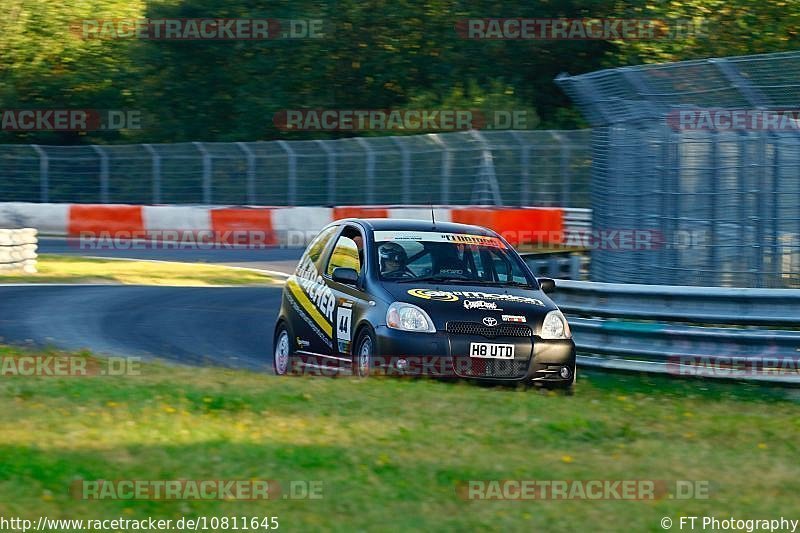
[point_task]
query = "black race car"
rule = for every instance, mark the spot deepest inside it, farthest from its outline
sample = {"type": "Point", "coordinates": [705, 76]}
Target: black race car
{"type": "Point", "coordinates": [374, 296]}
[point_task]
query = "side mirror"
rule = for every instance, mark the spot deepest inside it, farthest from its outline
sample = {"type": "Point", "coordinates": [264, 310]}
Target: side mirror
{"type": "Point", "coordinates": [348, 276]}
{"type": "Point", "coordinates": [547, 284]}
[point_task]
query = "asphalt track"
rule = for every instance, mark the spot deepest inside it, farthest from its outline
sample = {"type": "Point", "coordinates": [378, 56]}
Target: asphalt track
{"type": "Point", "coordinates": [225, 326]}
{"type": "Point", "coordinates": [229, 327]}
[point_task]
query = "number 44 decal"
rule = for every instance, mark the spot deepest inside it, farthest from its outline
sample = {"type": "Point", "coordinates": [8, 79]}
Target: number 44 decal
{"type": "Point", "coordinates": [343, 320]}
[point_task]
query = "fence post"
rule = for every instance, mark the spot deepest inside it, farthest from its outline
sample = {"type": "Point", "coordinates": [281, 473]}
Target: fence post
{"type": "Point", "coordinates": [447, 163]}
{"type": "Point", "coordinates": [251, 172]}
{"type": "Point", "coordinates": [103, 173]}
{"type": "Point", "coordinates": [668, 253]}
{"type": "Point", "coordinates": [566, 175]}
{"type": "Point", "coordinates": [487, 167]}
{"type": "Point", "coordinates": [291, 187]}
{"type": "Point", "coordinates": [714, 189]}
{"type": "Point", "coordinates": [575, 267]}
{"type": "Point", "coordinates": [405, 158]}
{"type": "Point", "coordinates": [156, 168]}
{"type": "Point", "coordinates": [370, 169]}
{"type": "Point", "coordinates": [44, 174]}
{"type": "Point", "coordinates": [524, 163]}
{"type": "Point", "coordinates": [751, 254]}
{"type": "Point", "coordinates": [331, 171]}
{"type": "Point", "coordinates": [774, 203]}
{"type": "Point", "coordinates": [648, 104]}
{"type": "Point", "coordinates": [751, 93]}
{"type": "Point", "coordinates": [206, 172]}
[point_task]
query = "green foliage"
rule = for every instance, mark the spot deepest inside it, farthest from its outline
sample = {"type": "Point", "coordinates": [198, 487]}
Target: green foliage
{"type": "Point", "coordinates": [375, 55]}
{"type": "Point", "coordinates": [711, 28]}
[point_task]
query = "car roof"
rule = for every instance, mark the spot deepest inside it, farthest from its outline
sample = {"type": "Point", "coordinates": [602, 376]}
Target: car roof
{"type": "Point", "coordinates": [403, 224]}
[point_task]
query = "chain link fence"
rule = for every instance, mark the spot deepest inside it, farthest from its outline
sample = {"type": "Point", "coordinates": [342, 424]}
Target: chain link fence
{"type": "Point", "coordinates": [724, 196]}
{"type": "Point", "coordinates": [526, 168]}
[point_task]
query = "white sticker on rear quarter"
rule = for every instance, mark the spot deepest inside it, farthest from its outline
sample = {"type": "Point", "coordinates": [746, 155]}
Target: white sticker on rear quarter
{"type": "Point", "coordinates": [343, 319]}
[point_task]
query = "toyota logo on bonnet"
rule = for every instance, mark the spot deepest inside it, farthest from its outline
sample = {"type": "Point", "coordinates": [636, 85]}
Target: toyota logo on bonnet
{"type": "Point", "coordinates": [489, 321]}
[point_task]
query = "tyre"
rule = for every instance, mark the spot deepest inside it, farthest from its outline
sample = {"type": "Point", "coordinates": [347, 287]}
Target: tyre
{"type": "Point", "coordinates": [283, 358]}
{"type": "Point", "coordinates": [363, 353]}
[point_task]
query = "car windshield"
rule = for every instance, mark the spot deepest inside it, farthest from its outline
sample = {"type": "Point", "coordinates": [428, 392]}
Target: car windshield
{"type": "Point", "coordinates": [408, 256]}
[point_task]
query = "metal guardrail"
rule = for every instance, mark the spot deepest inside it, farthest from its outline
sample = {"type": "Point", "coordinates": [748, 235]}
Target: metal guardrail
{"type": "Point", "coordinates": [18, 250]}
{"type": "Point", "coordinates": [566, 266]}
{"type": "Point", "coordinates": [685, 331]}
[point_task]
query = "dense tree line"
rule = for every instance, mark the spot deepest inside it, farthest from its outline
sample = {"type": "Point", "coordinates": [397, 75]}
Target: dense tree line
{"type": "Point", "coordinates": [375, 54]}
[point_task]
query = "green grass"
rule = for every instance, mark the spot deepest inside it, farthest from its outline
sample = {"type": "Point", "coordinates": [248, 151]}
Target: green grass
{"type": "Point", "coordinates": [68, 269]}
{"type": "Point", "coordinates": [391, 452]}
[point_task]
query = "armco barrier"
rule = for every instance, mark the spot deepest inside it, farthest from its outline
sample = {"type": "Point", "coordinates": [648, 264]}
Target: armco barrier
{"type": "Point", "coordinates": [704, 331]}
{"type": "Point", "coordinates": [567, 266]}
{"type": "Point", "coordinates": [18, 250]}
{"type": "Point", "coordinates": [276, 225]}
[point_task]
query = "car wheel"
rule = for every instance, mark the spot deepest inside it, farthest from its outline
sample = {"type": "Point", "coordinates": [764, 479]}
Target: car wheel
{"type": "Point", "coordinates": [282, 356]}
{"type": "Point", "coordinates": [362, 357]}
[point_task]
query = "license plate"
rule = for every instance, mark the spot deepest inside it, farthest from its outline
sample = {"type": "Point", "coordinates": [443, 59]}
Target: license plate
{"type": "Point", "coordinates": [486, 350]}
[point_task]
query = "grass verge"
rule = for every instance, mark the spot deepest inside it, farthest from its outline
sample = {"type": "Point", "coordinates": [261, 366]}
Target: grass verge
{"type": "Point", "coordinates": [66, 269]}
{"type": "Point", "coordinates": [389, 452]}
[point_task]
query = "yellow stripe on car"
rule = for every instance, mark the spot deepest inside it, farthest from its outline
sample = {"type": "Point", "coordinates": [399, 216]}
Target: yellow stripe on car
{"type": "Point", "coordinates": [309, 307]}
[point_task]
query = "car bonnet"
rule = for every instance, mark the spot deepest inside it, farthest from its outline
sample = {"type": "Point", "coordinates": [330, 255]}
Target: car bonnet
{"type": "Point", "coordinates": [445, 302]}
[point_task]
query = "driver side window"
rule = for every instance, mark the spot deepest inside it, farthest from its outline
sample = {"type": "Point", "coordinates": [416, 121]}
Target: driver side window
{"type": "Point", "coordinates": [345, 255]}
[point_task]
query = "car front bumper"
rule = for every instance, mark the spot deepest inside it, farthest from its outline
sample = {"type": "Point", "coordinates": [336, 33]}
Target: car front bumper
{"type": "Point", "coordinates": [446, 355]}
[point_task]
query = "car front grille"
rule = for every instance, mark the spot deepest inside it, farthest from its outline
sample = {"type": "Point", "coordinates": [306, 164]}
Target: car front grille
{"type": "Point", "coordinates": [490, 332]}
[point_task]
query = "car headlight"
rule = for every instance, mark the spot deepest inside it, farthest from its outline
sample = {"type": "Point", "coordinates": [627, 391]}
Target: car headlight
{"type": "Point", "coordinates": [555, 326]}
{"type": "Point", "coordinates": [409, 317]}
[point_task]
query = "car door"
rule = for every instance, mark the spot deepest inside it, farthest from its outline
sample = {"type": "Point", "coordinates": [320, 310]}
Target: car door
{"type": "Point", "coordinates": [351, 300]}
{"type": "Point", "coordinates": [310, 300]}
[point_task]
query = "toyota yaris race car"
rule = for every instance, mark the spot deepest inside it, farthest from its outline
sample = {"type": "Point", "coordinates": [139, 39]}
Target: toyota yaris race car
{"type": "Point", "coordinates": [374, 296]}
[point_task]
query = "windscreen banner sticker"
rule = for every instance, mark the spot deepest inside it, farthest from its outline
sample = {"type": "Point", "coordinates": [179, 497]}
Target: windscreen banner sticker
{"type": "Point", "coordinates": [314, 296]}
{"type": "Point", "coordinates": [436, 236]}
{"type": "Point", "coordinates": [452, 296]}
